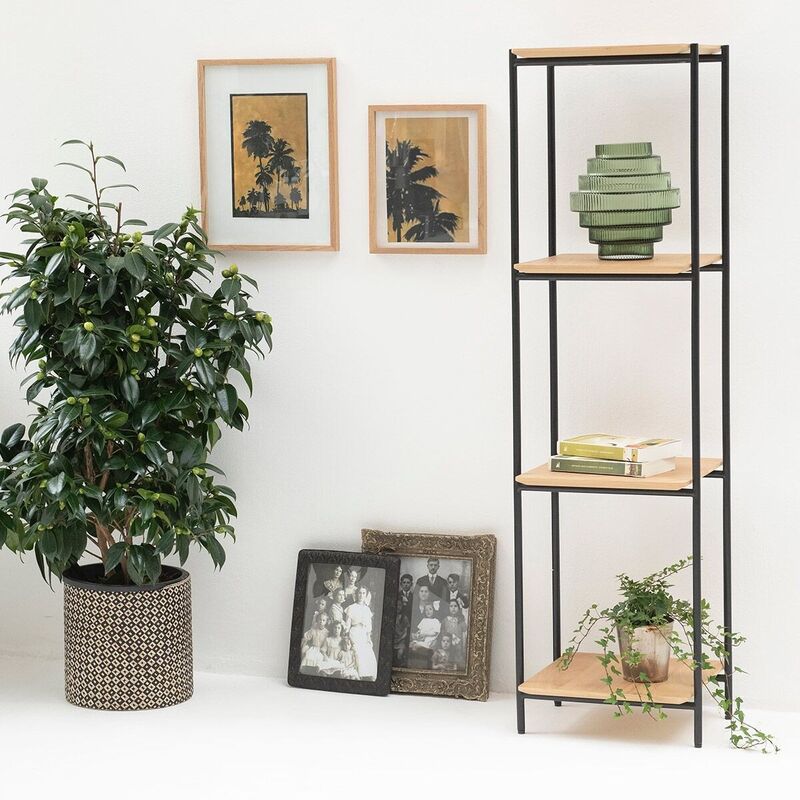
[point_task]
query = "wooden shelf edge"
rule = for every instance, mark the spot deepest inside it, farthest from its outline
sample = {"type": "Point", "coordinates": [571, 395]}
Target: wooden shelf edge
{"type": "Point", "coordinates": [613, 50]}
{"type": "Point", "coordinates": [590, 264]}
{"type": "Point", "coordinates": [679, 478]}
{"type": "Point", "coordinates": [582, 680]}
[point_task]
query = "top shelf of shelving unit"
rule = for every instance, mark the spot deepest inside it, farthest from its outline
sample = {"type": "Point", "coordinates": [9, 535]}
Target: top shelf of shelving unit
{"type": "Point", "coordinates": [613, 50]}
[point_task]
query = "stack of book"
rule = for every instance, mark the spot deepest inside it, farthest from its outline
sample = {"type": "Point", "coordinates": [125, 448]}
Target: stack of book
{"type": "Point", "coordinates": [604, 454]}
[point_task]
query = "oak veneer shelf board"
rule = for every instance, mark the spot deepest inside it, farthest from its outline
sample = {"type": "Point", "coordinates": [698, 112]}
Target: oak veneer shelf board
{"type": "Point", "coordinates": [590, 264]}
{"type": "Point", "coordinates": [679, 478]}
{"type": "Point", "coordinates": [613, 50]}
{"type": "Point", "coordinates": [583, 680]}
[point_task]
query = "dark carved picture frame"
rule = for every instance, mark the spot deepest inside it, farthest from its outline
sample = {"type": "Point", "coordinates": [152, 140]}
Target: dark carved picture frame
{"type": "Point", "coordinates": [381, 685]}
{"type": "Point", "coordinates": [481, 549]}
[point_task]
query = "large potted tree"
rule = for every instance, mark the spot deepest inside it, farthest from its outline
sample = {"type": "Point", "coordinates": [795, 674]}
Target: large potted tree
{"type": "Point", "coordinates": [131, 359]}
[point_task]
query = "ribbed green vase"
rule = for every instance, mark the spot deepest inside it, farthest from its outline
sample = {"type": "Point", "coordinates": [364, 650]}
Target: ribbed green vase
{"type": "Point", "coordinates": [624, 200]}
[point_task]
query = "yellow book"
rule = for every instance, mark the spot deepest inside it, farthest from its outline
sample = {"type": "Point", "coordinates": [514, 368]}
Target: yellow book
{"type": "Point", "coordinates": [619, 448]}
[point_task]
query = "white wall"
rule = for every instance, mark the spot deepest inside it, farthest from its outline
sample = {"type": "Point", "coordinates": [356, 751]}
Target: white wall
{"type": "Point", "coordinates": [387, 401]}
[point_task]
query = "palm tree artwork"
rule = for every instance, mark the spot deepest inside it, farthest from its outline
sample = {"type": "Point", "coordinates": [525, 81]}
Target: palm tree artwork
{"type": "Point", "coordinates": [280, 159]}
{"type": "Point", "coordinates": [270, 147]}
{"type": "Point", "coordinates": [263, 180]}
{"type": "Point", "coordinates": [413, 204]}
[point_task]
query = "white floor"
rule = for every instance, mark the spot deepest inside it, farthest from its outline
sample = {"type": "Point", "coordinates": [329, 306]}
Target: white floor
{"type": "Point", "coordinates": [243, 737]}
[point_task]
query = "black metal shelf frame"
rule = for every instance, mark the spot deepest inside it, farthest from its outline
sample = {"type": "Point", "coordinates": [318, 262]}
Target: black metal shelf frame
{"type": "Point", "coordinates": [693, 59]}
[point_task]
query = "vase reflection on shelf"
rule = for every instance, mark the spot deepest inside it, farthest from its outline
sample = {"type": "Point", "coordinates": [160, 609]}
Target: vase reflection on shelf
{"type": "Point", "coordinates": [624, 200]}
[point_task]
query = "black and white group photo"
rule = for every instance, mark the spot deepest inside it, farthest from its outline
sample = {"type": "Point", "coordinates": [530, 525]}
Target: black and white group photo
{"type": "Point", "coordinates": [342, 621]}
{"type": "Point", "coordinates": [432, 625]}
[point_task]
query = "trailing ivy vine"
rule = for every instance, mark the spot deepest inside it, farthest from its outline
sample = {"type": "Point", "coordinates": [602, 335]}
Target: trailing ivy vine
{"type": "Point", "coordinates": [648, 602]}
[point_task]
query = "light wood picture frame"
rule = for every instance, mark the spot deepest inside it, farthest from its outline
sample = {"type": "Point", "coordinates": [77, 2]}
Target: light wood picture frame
{"type": "Point", "coordinates": [453, 575]}
{"type": "Point", "coordinates": [429, 194]}
{"type": "Point", "coordinates": [257, 195]}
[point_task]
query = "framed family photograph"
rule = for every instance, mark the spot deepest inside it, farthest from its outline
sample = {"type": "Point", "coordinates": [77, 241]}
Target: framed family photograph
{"type": "Point", "coordinates": [442, 632]}
{"type": "Point", "coordinates": [343, 622]}
{"type": "Point", "coordinates": [427, 173]}
{"type": "Point", "coordinates": [268, 153]}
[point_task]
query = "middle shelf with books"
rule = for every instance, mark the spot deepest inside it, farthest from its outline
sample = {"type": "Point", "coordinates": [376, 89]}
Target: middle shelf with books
{"type": "Point", "coordinates": [675, 482]}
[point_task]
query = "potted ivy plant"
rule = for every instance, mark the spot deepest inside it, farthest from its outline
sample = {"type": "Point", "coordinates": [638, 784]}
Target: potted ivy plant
{"type": "Point", "coordinates": [131, 358]}
{"type": "Point", "coordinates": [650, 627]}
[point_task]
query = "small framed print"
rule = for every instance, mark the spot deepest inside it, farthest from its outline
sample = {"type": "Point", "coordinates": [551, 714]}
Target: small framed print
{"type": "Point", "coordinates": [343, 622]}
{"type": "Point", "coordinates": [442, 634]}
{"type": "Point", "coordinates": [268, 153]}
{"type": "Point", "coordinates": [427, 172]}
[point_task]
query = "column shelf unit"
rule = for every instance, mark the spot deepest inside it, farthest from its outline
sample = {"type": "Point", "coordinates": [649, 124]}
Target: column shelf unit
{"type": "Point", "coordinates": [581, 683]}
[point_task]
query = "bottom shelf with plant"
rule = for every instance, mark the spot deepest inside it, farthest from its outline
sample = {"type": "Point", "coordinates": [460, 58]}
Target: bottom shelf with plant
{"type": "Point", "coordinates": [653, 632]}
{"type": "Point", "coordinates": [585, 680]}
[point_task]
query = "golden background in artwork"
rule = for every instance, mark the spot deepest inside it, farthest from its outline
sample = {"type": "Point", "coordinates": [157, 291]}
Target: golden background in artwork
{"type": "Point", "coordinates": [446, 141]}
{"type": "Point", "coordinates": [288, 116]}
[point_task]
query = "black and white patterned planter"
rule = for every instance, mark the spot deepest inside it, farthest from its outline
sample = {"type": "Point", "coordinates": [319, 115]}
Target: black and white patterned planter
{"type": "Point", "coordinates": [127, 648]}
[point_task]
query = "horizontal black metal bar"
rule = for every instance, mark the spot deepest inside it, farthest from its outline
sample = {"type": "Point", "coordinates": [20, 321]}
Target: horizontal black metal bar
{"type": "Point", "coordinates": [575, 276]}
{"type": "Point", "coordinates": [551, 276]}
{"type": "Point", "coordinates": [688, 705]}
{"type": "Point", "coordinates": [589, 61]}
{"type": "Point", "coordinates": [587, 490]}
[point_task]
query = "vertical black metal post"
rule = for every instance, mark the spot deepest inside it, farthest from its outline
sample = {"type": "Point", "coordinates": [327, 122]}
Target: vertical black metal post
{"type": "Point", "coordinates": [726, 374]}
{"type": "Point", "coordinates": [694, 181]}
{"type": "Point", "coordinates": [516, 389]}
{"type": "Point", "coordinates": [555, 523]}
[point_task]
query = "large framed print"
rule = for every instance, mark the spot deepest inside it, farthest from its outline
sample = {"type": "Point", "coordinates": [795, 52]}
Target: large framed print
{"type": "Point", "coordinates": [268, 153]}
{"type": "Point", "coordinates": [343, 622]}
{"type": "Point", "coordinates": [427, 173]}
{"type": "Point", "coordinates": [442, 633]}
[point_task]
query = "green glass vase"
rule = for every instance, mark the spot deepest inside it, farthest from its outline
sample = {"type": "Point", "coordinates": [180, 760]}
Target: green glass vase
{"type": "Point", "coordinates": [625, 200]}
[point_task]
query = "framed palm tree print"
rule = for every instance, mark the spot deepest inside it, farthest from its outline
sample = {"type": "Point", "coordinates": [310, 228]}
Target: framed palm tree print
{"type": "Point", "coordinates": [427, 179]}
{"type": "Point", "coordinates": [268, 161]}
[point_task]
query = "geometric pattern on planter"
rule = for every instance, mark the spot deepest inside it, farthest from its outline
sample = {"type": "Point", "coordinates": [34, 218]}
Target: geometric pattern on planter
{"type": "Point", "coordinates": [128, 650]}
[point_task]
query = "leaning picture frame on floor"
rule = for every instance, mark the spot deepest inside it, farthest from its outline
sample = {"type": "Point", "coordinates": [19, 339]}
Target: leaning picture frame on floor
{"type": "Point", "coordinates": [268, 153]}
{"type": "Point", "coordinates": [442, 632]}
{"type": "Point", "coordinates": [343, 622]}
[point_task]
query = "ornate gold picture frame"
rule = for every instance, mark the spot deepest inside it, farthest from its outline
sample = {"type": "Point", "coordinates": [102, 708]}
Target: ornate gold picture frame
{"type": "Point", "coordinates": [444, 613]}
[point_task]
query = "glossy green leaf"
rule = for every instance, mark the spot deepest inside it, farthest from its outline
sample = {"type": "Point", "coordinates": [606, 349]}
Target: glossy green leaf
{"type": "Point", "coordinates": [199, 310]}
{"type": "Point", "coordinates": [56, 260]}
{"type": "Point", "coordinates": [106, 288]}
{"type": "Point", "coordinates": [87, 347]}
{"type": "Point", "coordinates": [75, 284]}
{"type": "Point", "coordinates": [135, 266]}
{"type": "Point", "coordinates": [206, 374]}
{"type": "Point", "coordinates": [114, 418]}
{"type": "Point", "coordinates": [228, 328]}
{"type": "Point", "coordinates": [12, 435]}
{"type": "Point", "coordinates": [33, 314]}
{"type": "Point", "coordinates": [230, 288]}
{"type": "Point", "coordinates": [56, 484]}
{"type": "Point", "coordinates": [130, 389]}
{"type": "Point", "coordinates": [115, 555]}
{"type": "Point", "coordinates": [113, 160]}
{"type": "Point", "coordinates": [227, 400]}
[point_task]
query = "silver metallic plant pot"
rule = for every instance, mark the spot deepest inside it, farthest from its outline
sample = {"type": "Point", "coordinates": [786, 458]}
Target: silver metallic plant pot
{"type": "Point", "coordinates": [652, 642]}
{"type": "Point", "coordinates": [127, 648]}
